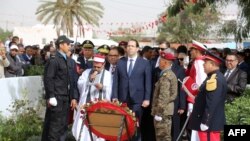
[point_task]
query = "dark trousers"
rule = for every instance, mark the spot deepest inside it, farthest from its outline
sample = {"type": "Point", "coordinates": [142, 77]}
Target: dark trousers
{"type": "Point", "coordinates": [137, 108]}
{"type": "Point", "coordinates": [147, 125]}
{"type": "Point", "coordinates": [56, 120]}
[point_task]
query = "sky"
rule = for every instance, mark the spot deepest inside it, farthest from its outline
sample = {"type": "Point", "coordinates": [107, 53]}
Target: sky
{"type": "Point", "coordinates": [22, 12]}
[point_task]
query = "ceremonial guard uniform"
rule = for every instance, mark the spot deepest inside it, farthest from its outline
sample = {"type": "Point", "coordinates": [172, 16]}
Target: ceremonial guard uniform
{"type": "Point", "coordinates": [208, 116]}
{"type": "Point", "coordinates": [163, 102]}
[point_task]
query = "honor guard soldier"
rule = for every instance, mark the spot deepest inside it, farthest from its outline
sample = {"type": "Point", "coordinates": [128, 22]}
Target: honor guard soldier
{"type": "Point", "coordinates": [208, 116]}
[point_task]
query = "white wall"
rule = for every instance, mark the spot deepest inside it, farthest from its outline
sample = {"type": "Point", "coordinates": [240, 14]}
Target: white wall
{"type": "Point", "coordinates": [16, 87]}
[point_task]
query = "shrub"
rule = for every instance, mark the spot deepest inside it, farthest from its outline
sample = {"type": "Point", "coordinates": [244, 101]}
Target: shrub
{"type": "Point", "coordinates": [237, 112]}
{"type": "Point", "coordinates": [22, 124]}
{"type": "Point", "coordinates": [34, 70]}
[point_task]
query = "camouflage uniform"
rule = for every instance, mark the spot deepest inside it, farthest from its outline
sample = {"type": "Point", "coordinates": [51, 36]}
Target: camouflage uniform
{"type": "Point", "coordinates": [163, 104]}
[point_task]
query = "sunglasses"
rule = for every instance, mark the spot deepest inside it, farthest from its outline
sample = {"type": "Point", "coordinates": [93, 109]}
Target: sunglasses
{"type": "Point", "coordinates": [162, 49]}
{"type": "Point", "coordinates": [181, 59]}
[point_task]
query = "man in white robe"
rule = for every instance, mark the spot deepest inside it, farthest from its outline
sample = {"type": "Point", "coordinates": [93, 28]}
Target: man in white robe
{"type": "Point", "coordinates": [95, 83]}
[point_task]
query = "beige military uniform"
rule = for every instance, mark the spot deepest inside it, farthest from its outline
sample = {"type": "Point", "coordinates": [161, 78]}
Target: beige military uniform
{"type": "Point", "coordinates": [163, 104]}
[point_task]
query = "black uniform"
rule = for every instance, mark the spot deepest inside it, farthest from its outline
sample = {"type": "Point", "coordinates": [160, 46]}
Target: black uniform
{"type": "Point", "coordinates": [57, 84]}
{"type": "Point", "coordinates": [209, 105]}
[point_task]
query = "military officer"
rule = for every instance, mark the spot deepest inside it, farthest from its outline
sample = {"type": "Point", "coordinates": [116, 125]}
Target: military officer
{"type": "Point", "coordinates": [208, 116]}
{"type": "Point", "coordinates": [103, 49]}
{"type": "Point", "coordinates": [85, 59]}
{"type": "Point", "coordinates": [163, 99]}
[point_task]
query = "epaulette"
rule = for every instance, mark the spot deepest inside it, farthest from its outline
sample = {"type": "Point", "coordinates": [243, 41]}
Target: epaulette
{"type": "Point", "coordinates": [211, 84]}
{"type": "Point", "coordinates": [166, 74]}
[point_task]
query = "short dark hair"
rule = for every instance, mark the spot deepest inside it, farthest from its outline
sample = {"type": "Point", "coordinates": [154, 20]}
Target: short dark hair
{"type": "Point", "coordinates": [137, 43]}
{"type": "Point", "coordinates": [232, 54]}
{"type": "Point", "coordinates": [120, 51]}
{"type": "Point", "coordinates": [146, 49]}
{"type": "Point", "coordinates": [27, 47]}
{"type": "Point", "coordinates": [182, 49]}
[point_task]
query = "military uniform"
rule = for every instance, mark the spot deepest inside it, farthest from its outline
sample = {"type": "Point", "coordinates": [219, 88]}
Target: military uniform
{"type": "Point", "coordinates": [103, 49]}
{"type": "Point", "coordinates": [163, 104]}
{"type": "Point", "coordinates": [209, 107]}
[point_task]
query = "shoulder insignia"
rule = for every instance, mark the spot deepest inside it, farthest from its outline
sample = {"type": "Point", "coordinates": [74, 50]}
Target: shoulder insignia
{"type": "Point", "coordinates": [211, 84]}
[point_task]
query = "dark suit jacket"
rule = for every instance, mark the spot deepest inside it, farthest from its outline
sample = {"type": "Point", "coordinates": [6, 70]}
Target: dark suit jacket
{"type": "Point", "coordinates": [236, 84]}
{"type": "Point", "coordinates": [209, 106]}
{"type": "Point", "coordinates": [74, 93]}
{"type": "Point", "coordinates": [244, 66]}
{"type": "Point", "coordinates": [107, 66]}
{"type": "Point", "coordinates": [137, 87]}
{"type": "Point", "coordinates": [83, 64]}
{"type": "Point", "coordinates": [180, 101]}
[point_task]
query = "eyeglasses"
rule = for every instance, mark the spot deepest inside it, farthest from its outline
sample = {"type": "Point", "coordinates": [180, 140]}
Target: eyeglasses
{"type": "Point", "coordinates": [181, 59]}
{"type": "Point", "coordinates": [230, 60]}
{"type": "Point", "coordinates": [162, 49]}
{"type": "Point", "coordinates": [113, 55]}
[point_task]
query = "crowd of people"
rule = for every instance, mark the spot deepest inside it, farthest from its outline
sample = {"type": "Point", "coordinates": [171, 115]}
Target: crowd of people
{"type": "Point", "coordinates": [164, 86]}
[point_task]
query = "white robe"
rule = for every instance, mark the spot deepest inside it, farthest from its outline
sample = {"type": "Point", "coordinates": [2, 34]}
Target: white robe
{"type": "Point", "coordinates": [83, 86]}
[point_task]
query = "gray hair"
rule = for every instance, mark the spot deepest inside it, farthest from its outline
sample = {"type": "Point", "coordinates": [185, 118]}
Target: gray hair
{"type": "Point", "coordinates": [171, 51]}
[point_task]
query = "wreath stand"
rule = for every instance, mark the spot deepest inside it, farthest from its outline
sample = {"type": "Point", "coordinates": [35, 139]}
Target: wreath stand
{"type": "Point", "coordinates": [108, 124]}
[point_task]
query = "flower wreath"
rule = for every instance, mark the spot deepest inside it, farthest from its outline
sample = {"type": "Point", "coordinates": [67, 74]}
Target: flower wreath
{"type": "Point", "coordinates": [112, 108]}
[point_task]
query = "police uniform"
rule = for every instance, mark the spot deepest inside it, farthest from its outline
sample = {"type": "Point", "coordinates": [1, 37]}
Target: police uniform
{"type": "Point", "coordinates": [57, 89]}
{"type": "Point", "coordinates": [83, 62]}
{"type": "Point", "coordinates": [208, 116]}
{"type": "Point", "coordinates": [163, 103]}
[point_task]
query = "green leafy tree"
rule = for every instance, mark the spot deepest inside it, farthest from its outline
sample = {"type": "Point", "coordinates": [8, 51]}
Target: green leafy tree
{"type": "Point", "coordinates": [4, 34]}
{"type": "Point", "coordinates": [242, 30]}
{"type": "Point", "coordinates": [65, 13]}
{"type": "Point", "coordinates": [186, 25]}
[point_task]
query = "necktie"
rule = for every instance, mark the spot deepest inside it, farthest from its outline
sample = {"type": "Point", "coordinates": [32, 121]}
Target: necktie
{"type": "Point", "coordinates": [227, 74]}
{"type": "Point", "coordinates": [130, 67]}
{"type": "Point", "coordinates": [113, 69]}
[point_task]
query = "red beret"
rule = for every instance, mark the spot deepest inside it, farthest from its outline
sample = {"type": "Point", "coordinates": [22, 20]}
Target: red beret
{"type": "Point", "coordinates": [213, 58]}
{"type": "Point", "coordinates": [167, 56]}
{"type": "Point", "coordinates": [123, 43]}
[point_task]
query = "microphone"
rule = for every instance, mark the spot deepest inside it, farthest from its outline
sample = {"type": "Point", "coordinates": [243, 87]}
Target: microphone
{"type": "Point", "coordinates": [93, 75]}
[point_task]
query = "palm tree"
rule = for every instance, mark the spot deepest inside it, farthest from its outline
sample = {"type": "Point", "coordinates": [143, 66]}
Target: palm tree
{"type": "Point", "coordinates": [65, 13]}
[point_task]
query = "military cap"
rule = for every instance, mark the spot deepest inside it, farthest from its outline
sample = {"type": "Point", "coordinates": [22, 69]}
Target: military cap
{"type": "Point", "coordinates": [167, 56]}
{"type": "Point", "coordinates": [199, 46]}
{"type": "Point", "coordinates": [123, 43]}
{"type": "Point", "coordinates": [88, 44]}
{"type": "Point", "coordinates": [103, 49]}
{"type": "Point", "coordinates": [63, 39]}
{"type": "Point", "coordinates": [213, 57]}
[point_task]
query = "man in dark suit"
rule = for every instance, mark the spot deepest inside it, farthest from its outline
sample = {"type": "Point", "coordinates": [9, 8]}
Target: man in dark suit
{"type": "Point", "coordinates": [208, 115]}
{"type": "Point", "coordinates": [243, 65]}
{"type": "Point", "coordinates": [236, 78]}
{"type": "Point", "coordinates": [132, 81]}
{"type": "Point", "coordinates": [112, 58]}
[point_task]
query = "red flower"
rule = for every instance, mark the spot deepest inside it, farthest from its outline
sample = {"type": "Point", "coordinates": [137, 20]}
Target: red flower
{"type": "Point", "coordinates": [124, 105]}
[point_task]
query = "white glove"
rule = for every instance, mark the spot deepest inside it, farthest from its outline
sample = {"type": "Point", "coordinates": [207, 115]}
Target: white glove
{"type": "Point", "coordinates": [158, 118]}
{"type": "Point", "coordinates": [190, 108]}
{"type": "Point", "coordinates": [203, 127]}
{"type": "Point", "coordinates": [53, 101]}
